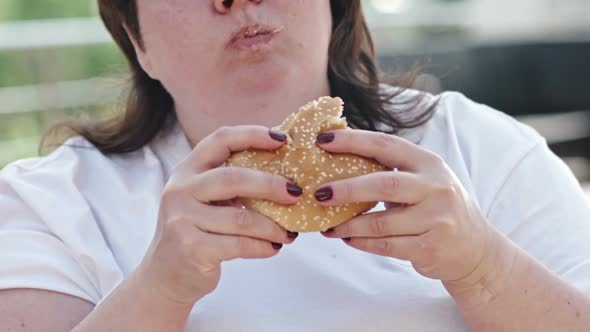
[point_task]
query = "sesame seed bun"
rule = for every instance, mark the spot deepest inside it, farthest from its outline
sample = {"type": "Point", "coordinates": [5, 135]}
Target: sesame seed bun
{"type": "Point", "coordinates": [301, 161]}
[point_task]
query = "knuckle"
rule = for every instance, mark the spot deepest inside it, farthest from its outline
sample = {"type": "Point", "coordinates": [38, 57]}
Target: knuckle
{"type": "Point", "coordinates": [390, 186]}
{"type": "Point", "coordinates": [384, 246]}
{"type": "Point", "coordinates": [446, 224]}
{"type": "Point", "coordinates": [176, 231]}
{"type": "Point", "coordinates": [446, 191]}
{"type": "Point", "coordinates": [171, 227]}
{"type": "Point", "coordinates": [171, 193]}
{"type": "Point", "coordinates": [175, 226]}
{"type": "Point", "coordinates": [347, 191]}
{"type": "Point", "coordinates": [221, 134]}
{"type": "Point", "coordinates": [243, 219]}
{"type": "Point", "coordinates": [378, 226]}
{"type": "Point", "coordinates": [435, 159]}
{"type": "Point", "coordinates": [230, 177]}
{"type": "Point", "coordinates": [382, 140]}
{"type": "Point", "coordinates": [447, 227]}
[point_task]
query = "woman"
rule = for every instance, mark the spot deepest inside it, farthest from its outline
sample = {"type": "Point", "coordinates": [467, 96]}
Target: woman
{"type": "Point", "coordinates": [131, 225]}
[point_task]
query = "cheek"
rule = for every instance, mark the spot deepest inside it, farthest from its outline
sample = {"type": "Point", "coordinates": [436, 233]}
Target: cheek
{"type": "Point", "coordinates": [172, 33]}
{"type": "Point", "coordinates": [311, 22]}
{"type": "Point", "coordinates": [314, 30]}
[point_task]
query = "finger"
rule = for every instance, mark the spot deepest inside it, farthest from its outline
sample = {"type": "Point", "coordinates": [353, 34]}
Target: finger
{"type": "Point", "coordinates": [401, 247]}
{"type": "Point", "coordinates": [400, 222]}
{"type": "Point", "coordinates": [229, 247]}
{"type": "Point", "coordinates": [226, 183]}
{"type": "Point", "coordinates": [228, 202]}
{"type": "Point", "coordinates": [391, 151]}
{"type": "Point", "coordinates": [216, 148]}
{"type": "Point", "coordinates": [242, 222]}
{"type": "Point", "coordinates": [399, 187]}
{"type": "Point", "coordinates": [392, 205]}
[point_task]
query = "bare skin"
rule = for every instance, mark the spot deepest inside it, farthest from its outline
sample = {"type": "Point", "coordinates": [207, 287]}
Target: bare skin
{"type": "Point", "coordinates": [496, 285]}
{"type": "Point", "coordinates": [437, 227]}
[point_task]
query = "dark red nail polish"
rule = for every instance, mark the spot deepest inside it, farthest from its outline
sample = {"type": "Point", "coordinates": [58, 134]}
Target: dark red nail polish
{"type": "Point", "coordinates": [277, 246]}
{"type": "Point", "coordinates": [329, 230]}
{"type": "Point", "coordinates": [278, 136]}
{"type": "Point", "coordinates": [346, 239]}
{"type": "Point", "coordinates": [326, 138]}
{"type": "Point", "coordinates": [324, 194]}
{"type": "Point", "coordinates": [294, 190]}
{"type": "Point", "coordinates": [292, 235]}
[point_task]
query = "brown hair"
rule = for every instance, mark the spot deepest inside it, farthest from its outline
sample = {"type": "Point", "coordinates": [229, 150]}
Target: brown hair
{"type": "Point", "coordinates": [353, 74]}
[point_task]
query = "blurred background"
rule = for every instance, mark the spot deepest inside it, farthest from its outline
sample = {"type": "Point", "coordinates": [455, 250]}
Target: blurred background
{"type": "Point", "coordinates": [527, 58]}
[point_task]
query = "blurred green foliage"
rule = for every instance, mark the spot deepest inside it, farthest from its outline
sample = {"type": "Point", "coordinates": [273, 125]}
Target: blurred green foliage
{"type": "Point", "coordinates": [11, 10]}
{"type": "Point", "coordinates": [20, 133]}
{"type": "Point", "coordinates": [25, 67]}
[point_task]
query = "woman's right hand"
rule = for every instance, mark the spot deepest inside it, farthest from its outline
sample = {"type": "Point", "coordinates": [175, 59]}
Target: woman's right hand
{"type": "Point", "coordinates": [197, 227]}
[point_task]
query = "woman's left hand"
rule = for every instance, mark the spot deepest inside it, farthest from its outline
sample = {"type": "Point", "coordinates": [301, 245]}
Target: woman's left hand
{"type": "Point", "coordinates": [430, 220]}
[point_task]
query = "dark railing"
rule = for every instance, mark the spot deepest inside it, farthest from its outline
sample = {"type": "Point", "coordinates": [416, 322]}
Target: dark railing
{"type": "Point", "coordinates": [546, 85]}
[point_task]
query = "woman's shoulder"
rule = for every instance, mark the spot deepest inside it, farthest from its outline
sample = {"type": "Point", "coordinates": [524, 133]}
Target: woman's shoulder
{"type": "Point", "coordinates": [77, 170]}
{"type": "Point", "coordinates": [464, 126]}
{"type": "Point", "coordinates": [71, 151]}
{"type": "Point", "coordinates": [77, 205]}
{"type": "Point", "coordinates": [78, 155]}
{"type": "Point", "coordinates": [480, 144]}
{"type": "Point", "coordinates": [456, 115]}
{"type": "Point", "coordinates": [470, 119]}
{"type": "Point", "coordinates": [485, 140]}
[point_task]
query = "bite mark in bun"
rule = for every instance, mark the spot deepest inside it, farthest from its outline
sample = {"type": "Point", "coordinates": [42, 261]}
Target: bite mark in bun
{"type": "Point", "coordinates": [305, 164]}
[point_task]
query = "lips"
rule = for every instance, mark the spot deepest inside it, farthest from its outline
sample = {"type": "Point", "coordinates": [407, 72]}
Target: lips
{"type": "Point", "coordinates": [251, 35]}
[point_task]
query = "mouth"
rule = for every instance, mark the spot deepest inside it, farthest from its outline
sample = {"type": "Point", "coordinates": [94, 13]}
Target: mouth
{"type": "Point", "coordinates": [253, 35]}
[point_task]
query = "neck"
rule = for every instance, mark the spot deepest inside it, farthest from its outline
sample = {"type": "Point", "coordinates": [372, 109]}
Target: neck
{"type": "Point", "coordinates": [266, 109]}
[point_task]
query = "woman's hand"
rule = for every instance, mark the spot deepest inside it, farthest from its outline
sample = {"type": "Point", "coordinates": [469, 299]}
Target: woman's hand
{"type": "Point", "coordinates": [200, 223]}
{"type": "Point", "coordinates": [430, 220]}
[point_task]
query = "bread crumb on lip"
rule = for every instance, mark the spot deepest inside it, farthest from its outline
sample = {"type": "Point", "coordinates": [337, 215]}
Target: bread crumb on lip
{"type": "Point", "coordinates": [302, 161]}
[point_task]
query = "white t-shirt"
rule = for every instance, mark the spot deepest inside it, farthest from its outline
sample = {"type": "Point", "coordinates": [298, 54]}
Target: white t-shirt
{"type": "Point", "coordinates": [79, 222]}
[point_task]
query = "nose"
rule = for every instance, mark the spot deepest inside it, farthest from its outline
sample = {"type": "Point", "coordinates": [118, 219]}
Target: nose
{"type": "Point", "coordinates": [224, 6]}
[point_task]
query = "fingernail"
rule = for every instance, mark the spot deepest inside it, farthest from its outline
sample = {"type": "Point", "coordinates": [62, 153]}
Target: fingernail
{"type": "Point", "coordinates": [278, 136]}
{"type": "Point", "coordinates": [329, 230]}
{"type": "Point", "coordinates": [346, 239]}
{"type": "Point", "coordinates": [294, 190]}
{"type": "Point", "coordinates": [277, 246]}
{"type": "Point", "coordinates": [326, 138]}
{"type": "Point", "coordinates": [324, 194]}
{"type": "Point", "coordinates": [292, 235]}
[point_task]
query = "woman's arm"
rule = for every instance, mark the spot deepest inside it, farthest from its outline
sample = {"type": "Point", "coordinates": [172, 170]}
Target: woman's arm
{"type": "Point", "coordinates": [133, 306]}
{"type": "Point", "coordinates": [26, 310]}
{"type": "Point", "coordinates": [511, 291]}
{"type": "Point", "coordinates": [500, 283]}
{"type": "Point", "coordinates": [136, 305]}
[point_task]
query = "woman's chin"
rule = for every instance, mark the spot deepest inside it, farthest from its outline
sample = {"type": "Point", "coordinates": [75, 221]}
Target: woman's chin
{"type": "Point", "coordinates": [260, 79]}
